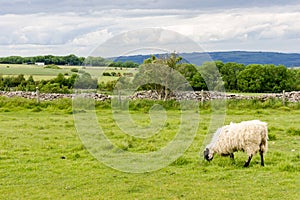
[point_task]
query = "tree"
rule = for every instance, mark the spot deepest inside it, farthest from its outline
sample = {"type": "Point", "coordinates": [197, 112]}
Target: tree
{"type": "Point", "coordinates": [251, 79]}
{"type": "Point", "coordinates": [229, 72]}
{"type": "Point", "coordinates": [1, 83]}
{"type": "Point", "coordinates": [85, 81]}
{"type": "Point", "coordinates": [61, 80]}
{"type": "Point", "coordinates": [161, 75]}
{"type": "Point", "coordinates": [198, 82]}
{"type": "Point", "coordinates": [211, 76]}
{"type": "Point", "coordinates": [190, 72]}
{"type": "Point", "coordinates": [95, 61]}
{"type": "Point", "coordinates": [30, 84]}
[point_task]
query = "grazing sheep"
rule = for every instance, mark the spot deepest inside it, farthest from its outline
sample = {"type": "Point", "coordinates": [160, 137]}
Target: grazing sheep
{"type": "Point", "coordinates": [248, 136]}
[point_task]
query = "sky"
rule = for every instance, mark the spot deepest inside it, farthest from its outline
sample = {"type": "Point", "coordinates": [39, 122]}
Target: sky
{"type": "Point", "coordinates": [43, 27]}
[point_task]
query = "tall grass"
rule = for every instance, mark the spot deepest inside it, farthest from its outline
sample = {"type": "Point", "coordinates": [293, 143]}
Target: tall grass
{"type": "Point", "coordinates": [65, 103]}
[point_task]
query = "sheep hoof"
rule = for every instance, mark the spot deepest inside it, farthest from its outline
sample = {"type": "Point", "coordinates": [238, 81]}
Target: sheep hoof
{"type": "Point", "coordinates": [246, 165]}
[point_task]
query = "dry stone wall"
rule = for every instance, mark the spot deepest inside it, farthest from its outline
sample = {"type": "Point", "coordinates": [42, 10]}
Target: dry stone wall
{"type": "Point", "coordinates": [207, 95]}
{"type": "Point", "coordinates": [196, 95]}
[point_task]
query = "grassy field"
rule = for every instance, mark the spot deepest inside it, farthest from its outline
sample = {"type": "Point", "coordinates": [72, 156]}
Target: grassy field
{"type": "Point", "coordinates": [41, 73]}
{"type": "Point", "coordinates": [47, 160]}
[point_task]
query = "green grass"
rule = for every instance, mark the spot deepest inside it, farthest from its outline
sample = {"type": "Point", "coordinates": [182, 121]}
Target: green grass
{"type": "Point", "coordinates": [250, 94]}
{"type": "Point", "coordinates": [42, 73]}
{"type": "Point", "coordinates": [42, 156]}
{"type": "Point", "coordinates": [33, 70]}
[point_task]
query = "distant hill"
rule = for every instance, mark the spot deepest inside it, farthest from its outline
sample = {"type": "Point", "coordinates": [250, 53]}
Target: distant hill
{"type": "Point", "coordinates": [244, 57]}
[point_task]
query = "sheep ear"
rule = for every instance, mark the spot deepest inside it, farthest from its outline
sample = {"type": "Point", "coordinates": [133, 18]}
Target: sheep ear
{"type": "Point", "coordinates": [206, 150]}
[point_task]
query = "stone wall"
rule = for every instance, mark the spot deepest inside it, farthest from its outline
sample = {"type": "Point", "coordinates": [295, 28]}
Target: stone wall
{"type": "Point", "coordinates": [197, 95]}
{"type": "Point", "coordinates": [207, 95]}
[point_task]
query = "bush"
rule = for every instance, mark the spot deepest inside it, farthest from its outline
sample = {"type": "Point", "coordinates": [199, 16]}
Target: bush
{"type": "Point", "coordinates": [52, 67]}
{"type": "Point", "coordinates": [75, 70]}
{"type": "Point", "coordinates": [113, 73]}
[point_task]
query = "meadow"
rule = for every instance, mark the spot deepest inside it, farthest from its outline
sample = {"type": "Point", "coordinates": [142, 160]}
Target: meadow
{"type": "Point", "coordinates": [42, 73]}
{"type": "Point", "coordinates": [42, 156]}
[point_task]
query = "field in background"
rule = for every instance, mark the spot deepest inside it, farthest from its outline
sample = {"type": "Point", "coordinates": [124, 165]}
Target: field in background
{"type": "Point", "coordinates": [47, 160]}
{"type": "Point", "coordinates": [42, 73]}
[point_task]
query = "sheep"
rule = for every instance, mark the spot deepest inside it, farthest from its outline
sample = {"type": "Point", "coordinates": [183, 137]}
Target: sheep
{"type": "Point", "coordinates": [248, 136]}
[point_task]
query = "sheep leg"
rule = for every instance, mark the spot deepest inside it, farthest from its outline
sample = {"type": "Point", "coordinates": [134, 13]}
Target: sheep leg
{"type": "Point", "coordinates": [232, 156]}
{"type": "Point", "coordinates": [248, 161]}
{"type": "Point", "coordinates": [262, 158]}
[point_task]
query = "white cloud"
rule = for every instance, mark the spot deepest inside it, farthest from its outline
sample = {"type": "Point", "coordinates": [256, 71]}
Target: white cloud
{"type": "Point", "coordinates": [222, 29]}
{"type": "Point", "coordinates": [92, 38]}
{"type": "Point", "coordinates": [62, 6]}
{"type": "Point", "coordinates": [235, 23]}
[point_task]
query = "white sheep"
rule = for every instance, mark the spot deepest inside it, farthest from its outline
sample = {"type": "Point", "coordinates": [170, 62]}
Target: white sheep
{"type": "Point", "coordinates": [248, 136]}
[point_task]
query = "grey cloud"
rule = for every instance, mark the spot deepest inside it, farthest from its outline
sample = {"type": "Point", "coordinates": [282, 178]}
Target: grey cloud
{"type": "Point", "coordinates": [150, 40]}
{"type": "Point", "coordinates": [54, 6]}
{"type": "Point", "coordinates": [60, 26]}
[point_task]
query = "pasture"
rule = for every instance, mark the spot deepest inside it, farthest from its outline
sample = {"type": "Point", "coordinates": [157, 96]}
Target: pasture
{"type": "Point", "coordinates": [42, 73]}
{"type": "Point", "coordinates": [42, 157]}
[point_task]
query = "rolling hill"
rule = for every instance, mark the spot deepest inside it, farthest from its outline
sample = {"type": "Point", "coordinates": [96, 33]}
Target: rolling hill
{"type": "Point", "coordinates": [244, 57]}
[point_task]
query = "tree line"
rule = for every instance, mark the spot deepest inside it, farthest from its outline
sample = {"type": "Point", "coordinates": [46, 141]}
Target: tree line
{"type": "Point", "coordinates": [47, 59]}
{"type": "Point", "coordinates": [59, 84]}
{"type": "Point", "coordinates": [234, 77]}
{"type": "Point", "coordinates": [231, 76]}
{"type": "Point", "coordinates": [68, 60]}
{"type": "Point", "coordinates": [258, 77]}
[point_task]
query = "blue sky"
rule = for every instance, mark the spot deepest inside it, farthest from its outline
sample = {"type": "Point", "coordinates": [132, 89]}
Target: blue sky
{"type": "Point", "coordinates": [62, 27]}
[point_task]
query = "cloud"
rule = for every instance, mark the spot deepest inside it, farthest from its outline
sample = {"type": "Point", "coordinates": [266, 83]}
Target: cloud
{"type": "Point", "coordinates": [79, 27]}
{"type": "Point", "coordinates": [242, 24]}
{"type": "Point", "coordinates": [61, 6]}
{"type": "Point", "coordinates": [149, 40]}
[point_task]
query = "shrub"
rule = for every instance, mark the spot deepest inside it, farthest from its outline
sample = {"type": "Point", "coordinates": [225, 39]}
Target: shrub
{"type": "Point", "coordinates": [106, 74]}
{"type": "Point", "coordinates": [75, 70]}
{"type": "Point", "coordinates": [52, 67]}
{"type": "Point", "coordinates": [113, 73]}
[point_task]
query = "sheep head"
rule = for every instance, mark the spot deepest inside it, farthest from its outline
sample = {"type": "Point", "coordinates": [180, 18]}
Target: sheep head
{"type": "Point", "coordinates": [208, 154]}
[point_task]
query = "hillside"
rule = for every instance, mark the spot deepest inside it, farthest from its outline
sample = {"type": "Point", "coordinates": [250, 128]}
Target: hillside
{"type": "Point", "coordinates": [244, 57]}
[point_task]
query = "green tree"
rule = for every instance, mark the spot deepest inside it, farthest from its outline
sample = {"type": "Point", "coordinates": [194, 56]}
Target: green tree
{"type": "Point", "coordinates": [30, 84]}
{"type": "Point", "coordinates": [85, 81]}
{"type": "Point", "coordinates": [251, 79]}
{"type": "Point", "coordinates": [211, 76]}
{"type": "Point", "coordinates": [190, 72]}
{"type": "Point", "coordinates": [160, 75]}
{"type": "Point", "coordinates": [61, 80]}
{"type": "Point", "coordinates": [96, 61]}
{"type": "Point", "coordinates": [198, 82]}
{"type": "Point", "coordinates": [1, 83]}
{"type": "Point", "coordinates": [229, 72]}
